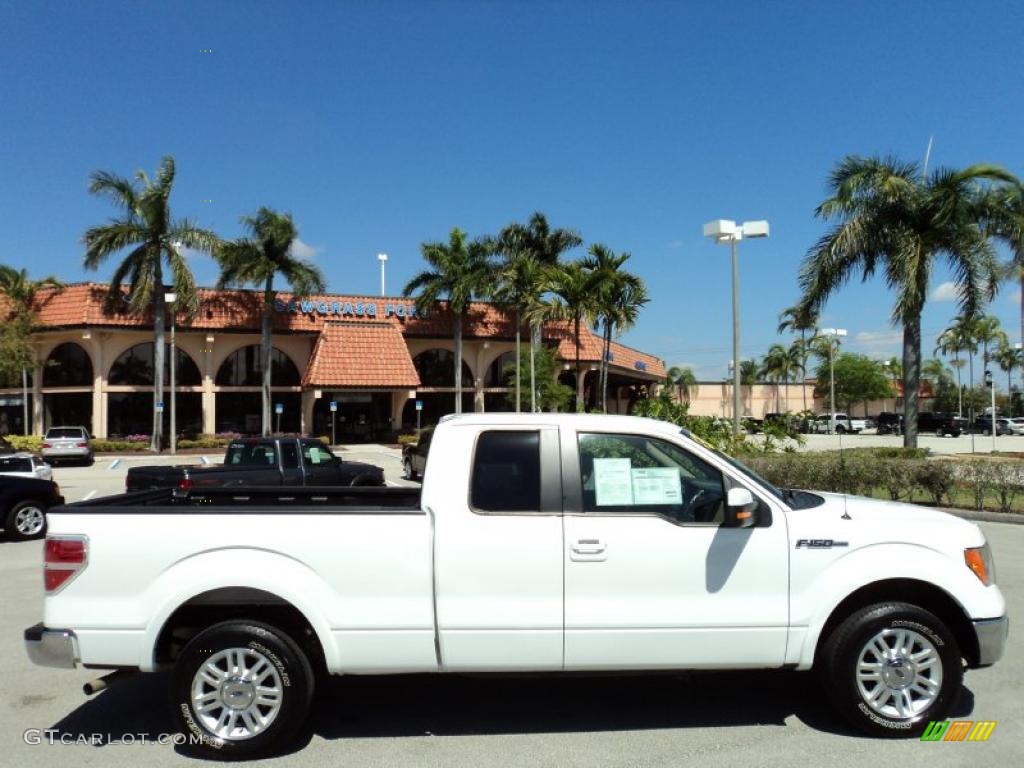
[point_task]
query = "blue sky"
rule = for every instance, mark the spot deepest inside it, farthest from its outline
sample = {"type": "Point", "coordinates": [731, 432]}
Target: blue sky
{"type": "Point", "coordinates": [383, 124]}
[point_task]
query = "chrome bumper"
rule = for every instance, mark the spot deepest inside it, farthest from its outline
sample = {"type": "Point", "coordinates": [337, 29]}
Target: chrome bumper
{"type": "Point", "coordinates": [992, 634]}
{"type": "Point", "coordinates": [51, 647]}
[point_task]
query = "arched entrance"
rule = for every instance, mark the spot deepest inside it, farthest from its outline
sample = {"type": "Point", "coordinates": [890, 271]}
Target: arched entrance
{"type": "Point", "coordinates": [131, 413]}
{"type": "Point", "coordinates": [68, 366]}
{"type": "Point", "coordinates": [238, 410]}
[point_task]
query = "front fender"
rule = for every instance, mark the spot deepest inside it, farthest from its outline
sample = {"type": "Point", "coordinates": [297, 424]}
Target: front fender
{"type": "Point", "coordinates": [816, 593]}
{"type": "Point", "coordinates": [248, 567]}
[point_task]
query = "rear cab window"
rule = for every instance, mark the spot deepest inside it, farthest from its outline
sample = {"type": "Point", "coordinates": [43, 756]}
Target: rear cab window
{"type": "Point", "coordinates": [506, 472]}
{"type": "Point", "coordinates": [73, 433]}
{"type": "Point", "coordinates": [251, 455]}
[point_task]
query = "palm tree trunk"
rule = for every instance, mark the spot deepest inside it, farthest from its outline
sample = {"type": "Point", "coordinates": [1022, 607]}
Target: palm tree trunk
{"type": "Point", "coordinates": [911, 377]}
{"type": "Point", "coordinates": [158, 356]}
{"type": "Point", "coordinates": [518, 362]}
{"type": "Point", "coordinates": [266, 349]}
{"type": "Point", "coordinates": [959, 388]}
{"type": "Point", "coordinates": [458, 361]}
{"type": "Point", "coordinates": [532, 370]}
{"type": "Point", "coordinates": [579, 387]}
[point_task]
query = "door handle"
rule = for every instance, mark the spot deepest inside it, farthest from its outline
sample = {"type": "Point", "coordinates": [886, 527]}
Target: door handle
{"type": "Point", "coordinates": [588, 547]}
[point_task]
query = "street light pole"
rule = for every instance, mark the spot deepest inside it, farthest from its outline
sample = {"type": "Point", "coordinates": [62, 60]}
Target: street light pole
{"type": "Point", "coordinates": [832, 332]}
{"type": "Point", "coordinates": [383, 259]}
{"type": "Point", "coordinates": [725, 231]}
{"type": "Point", "coordinates": [990, 383]}
{"type": "Point", "coordinates": [171, 298]}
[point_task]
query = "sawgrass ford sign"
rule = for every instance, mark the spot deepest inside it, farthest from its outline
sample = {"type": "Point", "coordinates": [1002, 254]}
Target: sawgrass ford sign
{"type": "Point", "coordinates": [347, 308]}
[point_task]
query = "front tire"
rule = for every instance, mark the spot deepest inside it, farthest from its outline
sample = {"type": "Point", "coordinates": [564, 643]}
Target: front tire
{"type": "Point", "coordinates": [891, 668]}
{"type": "Point", "coordinates": [241, 689]}
{"type": "Point", "coordinates": [26, 520]}
{"type": "Point", "coordinates": [408, 472]}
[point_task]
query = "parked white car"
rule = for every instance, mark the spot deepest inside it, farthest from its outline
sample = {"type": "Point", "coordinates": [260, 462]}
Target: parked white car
{"type": "Point", "coordinates": [538, 543]}
{"type": "Point", "coordinates": [844, 423]}
{"type": "Point", "coordinates": [25, 465]}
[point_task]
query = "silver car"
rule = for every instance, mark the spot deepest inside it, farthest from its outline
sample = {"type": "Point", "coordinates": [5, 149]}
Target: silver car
{"type": "Point", "coordinates": [67, 443]}
{"type": "Point", "coordinates": [25, 465]}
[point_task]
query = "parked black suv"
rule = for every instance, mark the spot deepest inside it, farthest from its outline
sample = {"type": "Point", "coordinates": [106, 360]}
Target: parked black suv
{"type": "Point", "coordinates": [941, 424]}
{"type": "Point", "coordinates": [889, 423]}
{"type": "Point", "coordinates": [23, 505]}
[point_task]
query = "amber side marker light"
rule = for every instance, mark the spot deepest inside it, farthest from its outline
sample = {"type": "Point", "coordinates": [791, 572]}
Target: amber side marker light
{"type": "Point", "coordinates": [979, 561]}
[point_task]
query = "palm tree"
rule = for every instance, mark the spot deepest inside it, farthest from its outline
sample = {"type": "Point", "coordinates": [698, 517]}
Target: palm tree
{"type": "Point", "coordinates": [620, 295]}
{"type": "Point", "coordinates": [525, 282]}
{"type": "Point", "coordinates": [459, 270]}
{"type": "Point", "coordinates": [988, 333]}
{"type": "Point", "coordinates": [256, 260]}
{"type": "Point", "coordinates": [952, 342]}
{"type": "Point", "coordinates": [575, 298]}
{"type": "Point", "coordinates": [147, 227]}
{"type": "Point", "coordinates": [1008, 358]}
{"type": "Point", "coordinates": [803, 320]}
{"type": "Point", "coordinates": [684, 380]}
{"type": "Point", "coordinates": [934, 369]}
{"type": "Point", "coordinates": [961, 336]}
{"type": "Point", "coordinates": [778, 365]}
{"type": "Point", "coordinates": [21, 293]}
{"type": "Point", "coordinates": [889, 218]}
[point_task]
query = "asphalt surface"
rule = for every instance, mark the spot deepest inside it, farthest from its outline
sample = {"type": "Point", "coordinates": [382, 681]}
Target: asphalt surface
{"type": "Point", "coordinates": [937, 445]}
{"type": "Point", "coordinates": [744, 719]}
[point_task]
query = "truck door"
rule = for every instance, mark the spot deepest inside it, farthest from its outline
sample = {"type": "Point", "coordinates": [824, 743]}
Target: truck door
{"type": "Point", "coordinates": [652, 579]}
{"type": "Point", "coordinates": [495, 496]}
{"type": "Point", "coordinates": [291, 472]}
{"type": "Point", "coordinates": [320, 465]}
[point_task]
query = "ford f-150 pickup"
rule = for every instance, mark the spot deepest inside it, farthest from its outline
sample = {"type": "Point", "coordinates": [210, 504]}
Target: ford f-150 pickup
{"type": "Point", "coordinates": [261, 461]}
{"type": "Point", "coordinates": [538, 543]}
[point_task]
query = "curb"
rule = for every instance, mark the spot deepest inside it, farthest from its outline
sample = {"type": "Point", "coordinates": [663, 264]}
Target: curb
{"type": "Point", "coordinates": [1011, 518]}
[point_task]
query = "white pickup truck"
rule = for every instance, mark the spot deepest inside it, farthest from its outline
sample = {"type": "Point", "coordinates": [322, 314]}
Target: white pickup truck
{"type": "Point", "coordinates": [538, 543]}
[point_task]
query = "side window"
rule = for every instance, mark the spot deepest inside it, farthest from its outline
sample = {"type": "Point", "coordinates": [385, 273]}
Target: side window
{"type": "Point", "coordinates": [314, 453]}
{"type": "Point", "coordinates": [289, 455]}
{"type": "Point", "coordinates": [506, 472]}
{"type": "Point", "coordinates": [644, 475]}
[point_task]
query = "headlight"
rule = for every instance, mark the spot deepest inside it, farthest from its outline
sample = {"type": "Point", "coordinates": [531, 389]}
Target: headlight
{"type": "Point", "coordinates": [979, 560]}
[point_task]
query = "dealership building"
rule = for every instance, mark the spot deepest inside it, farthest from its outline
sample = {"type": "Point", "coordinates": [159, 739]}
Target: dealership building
{"type": "Point", "coordinates": [374, 358]}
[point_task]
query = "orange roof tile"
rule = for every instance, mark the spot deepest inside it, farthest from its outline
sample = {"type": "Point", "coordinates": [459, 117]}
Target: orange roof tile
{"type": "Point", "coordinates": [360, 355]}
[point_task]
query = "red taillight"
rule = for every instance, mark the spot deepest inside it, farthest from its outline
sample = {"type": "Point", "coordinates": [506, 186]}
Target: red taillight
{"type": "Point", "coordinates": [185, 483]}
{"type": "Point", "coordinates": [47, 445]}
{"type": "Point", "coordinates": [63, 558]}
{"type": "Point", "coordinates": [81, 445]}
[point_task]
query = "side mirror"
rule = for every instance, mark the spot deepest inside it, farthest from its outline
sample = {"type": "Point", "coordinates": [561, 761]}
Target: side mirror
{"type": "Point", "coordinates": [739, 508]}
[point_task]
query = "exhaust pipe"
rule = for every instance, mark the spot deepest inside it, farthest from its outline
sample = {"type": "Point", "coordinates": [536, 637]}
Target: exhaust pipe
{"type": "Point", "coordinates": [102, 683]}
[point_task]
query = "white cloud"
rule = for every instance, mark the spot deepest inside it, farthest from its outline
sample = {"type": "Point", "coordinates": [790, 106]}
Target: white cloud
{"type": "Point", "coordinates": [945, 292]}
{"type": "Point", "coordinates": [1013, 297]}
{"type": "Point", "coordinates": [301, 250]}
{"type": "Point", "coordinates": [877, 343]}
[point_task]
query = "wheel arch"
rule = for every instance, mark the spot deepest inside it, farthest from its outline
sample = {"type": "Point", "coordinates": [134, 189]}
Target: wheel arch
{"type": "Point", "coordinates": [230, 603]}
{"type": "Point", "coordinates": [923, 594]}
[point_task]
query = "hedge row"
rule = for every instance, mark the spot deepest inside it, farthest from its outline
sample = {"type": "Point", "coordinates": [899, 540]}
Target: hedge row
{"type": "Point", "coordinates": [992, 484]}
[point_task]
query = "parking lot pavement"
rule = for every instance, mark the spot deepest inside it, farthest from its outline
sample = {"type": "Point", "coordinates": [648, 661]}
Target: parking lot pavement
{"type": "Point", "coordinates": [735, 719]}
{"type": "Point", "coordinates": [937, 445]}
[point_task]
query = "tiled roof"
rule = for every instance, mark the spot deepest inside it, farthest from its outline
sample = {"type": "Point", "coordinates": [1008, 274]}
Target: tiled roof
{"type": "Point", "coordinates": [360, 355]}
{"type": "Point", "coordinates": [81, 304]}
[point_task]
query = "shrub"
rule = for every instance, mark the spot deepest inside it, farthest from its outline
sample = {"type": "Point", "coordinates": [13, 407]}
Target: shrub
{"type": "Point", "coordinates": [119, 446]}
{"type": "Point", "coordinates": [29, 443]}
{"type": "Point", "coordinates": [408, 439]}
{"type": "Point", "coordinates": [936, 478]}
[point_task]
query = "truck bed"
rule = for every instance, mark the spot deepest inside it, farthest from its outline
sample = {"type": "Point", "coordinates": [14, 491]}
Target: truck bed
{"type": "Point", "coordinates": [272, 499]}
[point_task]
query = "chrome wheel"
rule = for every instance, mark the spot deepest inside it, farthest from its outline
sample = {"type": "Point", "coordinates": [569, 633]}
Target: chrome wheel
{"type": "Point", "coordinates": [237, 693]}
{"type": "Point", "coordinates": [899, 673]}
{"type": "Point", "coordinates": [29, 520]}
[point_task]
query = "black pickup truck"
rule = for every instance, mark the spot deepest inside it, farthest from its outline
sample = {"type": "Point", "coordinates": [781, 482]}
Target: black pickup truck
{"type": "Point", "coordinates": [263, 461]}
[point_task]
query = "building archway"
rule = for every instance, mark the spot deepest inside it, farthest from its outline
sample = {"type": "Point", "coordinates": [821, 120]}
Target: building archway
{"type": "Point", "coordinates": [68, 365]}
{"type": "Point", "coordinates": [244, 368]}
{"type": "Point", "coordinates": [134, 367]}
{"type": "Point", "coordinates": [436, 368]}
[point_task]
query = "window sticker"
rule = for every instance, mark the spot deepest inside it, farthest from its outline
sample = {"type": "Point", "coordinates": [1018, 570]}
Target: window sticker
{"type": "Point", "coordinates": [659, 485]}
{"type": "Point", "coordinates": [613, 484]}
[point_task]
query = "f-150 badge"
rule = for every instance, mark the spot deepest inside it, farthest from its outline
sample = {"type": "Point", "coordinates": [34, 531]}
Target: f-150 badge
{"type": "Point", "coordinates": [820, 543]}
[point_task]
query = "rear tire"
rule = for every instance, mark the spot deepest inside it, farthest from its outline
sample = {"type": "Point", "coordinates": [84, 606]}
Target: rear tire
{"type": "Point", "coordinates": [242, 689]}
{"type": "Point", "coordinates": [26, 520]}
{"type": "Point", "coordinates": [891, 668]}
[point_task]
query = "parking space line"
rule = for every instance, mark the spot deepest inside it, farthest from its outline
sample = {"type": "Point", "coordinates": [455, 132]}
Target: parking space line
{"type": "Point", "coordinates": [114, 463]}
{"type": "Point", "coordinates": [89, 495]}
